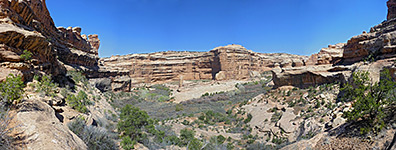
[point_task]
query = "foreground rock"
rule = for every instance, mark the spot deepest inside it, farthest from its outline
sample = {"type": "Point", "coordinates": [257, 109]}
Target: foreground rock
{"type": "Point", "coordinates": [41, 129]}
{"type": "Point", "coordinates": [304, 77]}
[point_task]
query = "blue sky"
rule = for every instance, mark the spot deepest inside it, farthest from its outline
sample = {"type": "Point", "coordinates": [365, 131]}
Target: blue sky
{"type": "Point", "coordinates": [292, 26]}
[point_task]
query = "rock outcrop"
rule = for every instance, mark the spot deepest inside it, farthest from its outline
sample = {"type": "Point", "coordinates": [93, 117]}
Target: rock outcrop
{"type": "Point", "coordinates": [236, 62]}
{"type": "Point", "coordinates": [391, 9]}
{"type": "Point", "coordinates": [27, 25]}
{"type": "Point", "coordinates": [336, 62]}
{"type": "Point", "coordinates": [307, 76]}
{"type": "Point", "coordinates": [330, 55]}
{"type": "Point", "coordinates": [41, 129]}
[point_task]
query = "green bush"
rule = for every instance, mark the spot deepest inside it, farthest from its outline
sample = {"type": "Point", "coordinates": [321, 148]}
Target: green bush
{"type": "Point", "coordinates": [133, 122]}
{"type": "Point", "coordinates": [370, 100]}
{"type": "Point", "coordinates": [127, 143]}
{"type": "Point", "coordinates": [179, 107]}
{"type": "Point", "coordinates": [248, 119]}
{"type": "Point", "coordinates": [79, 102]}
{"type": "Point", "coordinates": [26, 56]}
{"type": "Point", "coordinates": [187, 139]}
{"type": "Point", "coordinates": [11, 89]}
{"type": "Point", "coordinates": [211, 117]}
{"type": "Point", "coordinates": [276, 117]}
{"type": "Point", "coordinates": [46, 85]}
{"type": "Point", "coordinates": [95, 138]}
{"type": "Point", "coordinates": [78, 77]}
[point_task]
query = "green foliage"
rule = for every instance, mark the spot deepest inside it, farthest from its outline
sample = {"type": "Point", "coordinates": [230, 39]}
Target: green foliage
{"type": "Point", "coordinates": [186, 135]}
{"type": "Point", "coordinates": [187, 139]}
{"type": "Point", "coordinates": [248, 119]}
{"type": "Point", "coordinates": [218, 139]}
{"type": "Point", "coordinates": [276, 117]}
{"type": "Point", "coordinates": [185, 122]}
{"type": "Point", "coordinates": [133, 122]}
{"type": "Point", "coordinates": [95, 138]}
{"type": "Point", "coordinates": [78, 77]}
{"type": "Point", "coordinates": [370, 100]}
{"type": "Point", "coordinates": [46, 85]}
{"type": "Point", "coordinates": [127, 143]}
{"type": "Point", "coordinates": [11, 89]}
{"type": "Point", "coordinates": [79, 102]}
{"type": "Point", "coordinates": [279, 140]}
{"type": "Point", "coordinates": [210, 117]}
{"type": "Point", "coordinates": [179, 107]}
{"type": "Point", "coordinates": [26, 55]}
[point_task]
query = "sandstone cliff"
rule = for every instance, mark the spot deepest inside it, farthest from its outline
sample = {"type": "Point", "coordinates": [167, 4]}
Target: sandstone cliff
{"type": "Point", "coordinates": [27, 25]}
{"type": "Point", "coordinates": [221, 63]}
{"type": "Point", "coordinates": [370, 51]}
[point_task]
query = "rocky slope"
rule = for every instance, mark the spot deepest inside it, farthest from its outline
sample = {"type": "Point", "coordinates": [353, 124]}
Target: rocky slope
{"type": "Point", "coordinates": [40, 121]}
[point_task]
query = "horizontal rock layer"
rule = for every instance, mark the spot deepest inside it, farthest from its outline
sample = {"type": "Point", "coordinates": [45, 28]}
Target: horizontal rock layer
{"type": "Point", "coordinates": [27, 25]}
{"type": "Point", "coordinates": [221, 63]}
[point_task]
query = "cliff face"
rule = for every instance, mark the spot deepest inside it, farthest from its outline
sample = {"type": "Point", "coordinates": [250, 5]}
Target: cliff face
{"type": "Point", "coordinates": [391, 9]}
{"type": "Point", "coordinates": [27, 25]}
{"type": "Point", "coordinates": [236, 62]}
{"type": "Point", "coordinates": [370, 51]}
{"type": "Point", "coordinates": [222, 63]}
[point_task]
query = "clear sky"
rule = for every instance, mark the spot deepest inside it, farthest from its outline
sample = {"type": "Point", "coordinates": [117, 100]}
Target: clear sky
{"type": "Point", "coordinates": [268, 26]}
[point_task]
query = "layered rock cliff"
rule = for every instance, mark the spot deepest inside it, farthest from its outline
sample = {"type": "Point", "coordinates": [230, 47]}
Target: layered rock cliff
{"type": "Point", "coordinates": [370, 51]}
{"type": "Point", "coordinates": [27, 25]}
{"type": "Point", "coordinates": [222, 63]}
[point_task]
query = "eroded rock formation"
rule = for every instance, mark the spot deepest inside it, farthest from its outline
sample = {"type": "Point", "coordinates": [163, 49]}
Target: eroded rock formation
{"type": "Point", "coordinates": [27, 25]}
{"type": "Point", "coordinates": [391, 9]}
{"type": "Point", "coordinates": [221, 63]}
{"type": "Point", "coordinates": [370, 51]}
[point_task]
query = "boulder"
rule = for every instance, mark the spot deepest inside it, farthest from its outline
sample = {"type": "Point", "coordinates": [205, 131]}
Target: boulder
{"type": "Point", "coordinates": [104, 84]}
{"type": "Point", "coordinates": [286, 124]}
{"type": "Point", "coordinates": [41, 129]}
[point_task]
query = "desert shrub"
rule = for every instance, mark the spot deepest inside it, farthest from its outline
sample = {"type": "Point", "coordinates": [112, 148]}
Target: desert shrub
{"type": "Point", "coordinates": [276, 117]}
{"type": "Point", "coordinates": [279, 140]}
{"type": "Point", "coordinates": [187, 139]}
{"type": "Point", "coordinates": [179, 107]}
{"type": "Point", "coordinates": [248, 119]}
{"type": "Point", "coordinates": [218, 139]}
{"type": "Point", "coordinates": [79, 102]}
{"type": "Point", "coordinates": [185, 122]}
{"type": "Point", "coordinates": [46, 85]}
{"type": "Point", "coordinates": [211, 117]}
{"type": "Point", "coordinates": [186, 135]}
{"type": "Point", "coordinates": [127, 143]}
{"type": "Point", "coordinates": [5, 130]}
{"type": "Point", "coordinates": [94, 137]}
{"type": "Point", "coordinates": [370, 100]}
{"type": "Point", "coordinates": [78, 77]}
{"type": "Point", "coordinates": [26, 55]}
{"type": "Point", "coordinates": [133, 124]}
{"type": "Point", "coordinates": [11, 89]}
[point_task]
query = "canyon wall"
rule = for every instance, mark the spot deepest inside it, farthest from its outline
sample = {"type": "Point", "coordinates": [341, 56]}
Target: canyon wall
{"type": "Point", "coordinates": [370, 51]}
{"type": "Point", "coordinates": [232, 62]}
{"type": "Point", "coordinates": [27, 25]}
